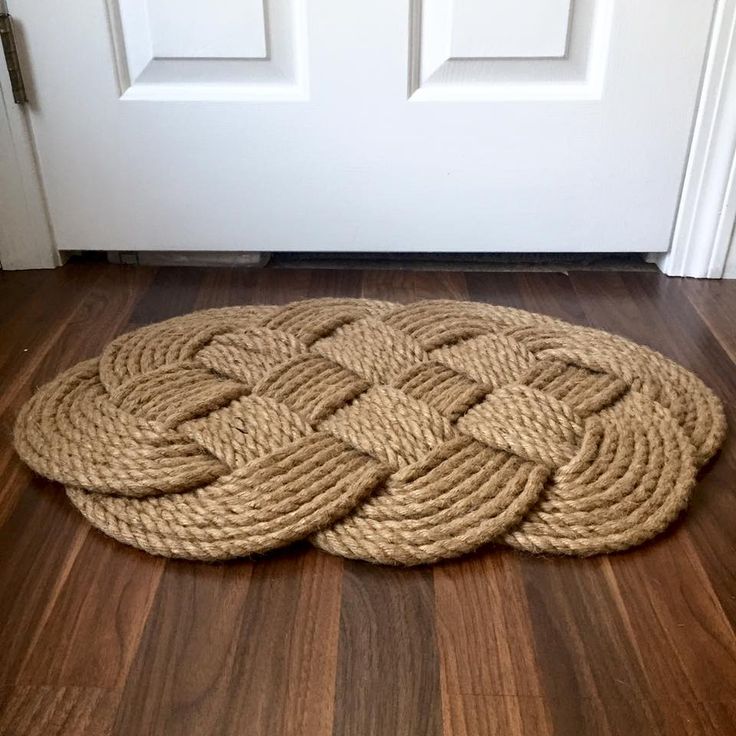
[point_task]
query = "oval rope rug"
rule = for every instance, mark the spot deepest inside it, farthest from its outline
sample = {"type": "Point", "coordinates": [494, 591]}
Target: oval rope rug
{"type": "Point", "coordinates": [399, 434]}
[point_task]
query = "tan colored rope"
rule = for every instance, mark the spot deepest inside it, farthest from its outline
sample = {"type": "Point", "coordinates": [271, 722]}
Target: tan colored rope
{"type": "Point", "coordinates": [396, 434]}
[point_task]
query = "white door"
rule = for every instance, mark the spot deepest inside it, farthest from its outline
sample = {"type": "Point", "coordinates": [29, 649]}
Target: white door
{"type": "Point", "coordinates": [414, 125]}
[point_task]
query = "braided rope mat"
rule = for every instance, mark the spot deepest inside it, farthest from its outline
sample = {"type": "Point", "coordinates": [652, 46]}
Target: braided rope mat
{"type": "Point", "coordinates": [395, 434]}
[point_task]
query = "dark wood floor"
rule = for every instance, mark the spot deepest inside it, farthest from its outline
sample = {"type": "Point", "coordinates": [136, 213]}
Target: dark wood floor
{"type": "Point", "coordinates": [98, 638]}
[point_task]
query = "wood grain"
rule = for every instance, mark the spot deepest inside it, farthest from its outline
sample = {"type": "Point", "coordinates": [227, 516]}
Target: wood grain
{"type": "Point", "coordinates": [682, 617]}
{"type": "Point", "coordinates": [97, 638]}
{"type": "Point", "coordinates": [489, 670]}
{"type": "Point", "coordinates": [388, 674]}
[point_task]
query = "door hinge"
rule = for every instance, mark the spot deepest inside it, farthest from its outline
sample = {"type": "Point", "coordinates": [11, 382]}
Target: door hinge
{"type": "Point", "coordinates": [11, 58]}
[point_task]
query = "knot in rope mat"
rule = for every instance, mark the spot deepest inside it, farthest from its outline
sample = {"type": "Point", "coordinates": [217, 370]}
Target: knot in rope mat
{"type": "Point", "coordinates": [389, 433]}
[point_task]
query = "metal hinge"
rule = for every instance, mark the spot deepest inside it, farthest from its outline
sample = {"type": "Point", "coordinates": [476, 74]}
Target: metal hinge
{"type": "Point", "coordinates": [11, 57]}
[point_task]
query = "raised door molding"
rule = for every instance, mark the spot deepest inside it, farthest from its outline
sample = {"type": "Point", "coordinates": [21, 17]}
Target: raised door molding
{"type": "Point", "coordinates": [253, 50]}
{"type": "Point", "coordinates": [474, 50]}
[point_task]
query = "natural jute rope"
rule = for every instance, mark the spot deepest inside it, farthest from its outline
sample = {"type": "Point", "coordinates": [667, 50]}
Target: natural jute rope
{"type": "Point", "coordinates": [396, 434]}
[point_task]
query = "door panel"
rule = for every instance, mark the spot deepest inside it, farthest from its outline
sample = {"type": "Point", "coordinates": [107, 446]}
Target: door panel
{"type": "Point", "coordinates": [535, 125]}
{"type": "Point", "coordinates": [510, 49]}
{"type": "Point", "coordinates": [221, 29]}
{"type": "Point", "coordinates": [508, 28]}
{"type": "Point", "coordinates": [225, 50]}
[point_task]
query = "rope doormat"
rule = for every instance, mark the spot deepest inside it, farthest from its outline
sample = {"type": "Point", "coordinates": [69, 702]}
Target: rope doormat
{"type": "Point", "coordinates": [389, 433]}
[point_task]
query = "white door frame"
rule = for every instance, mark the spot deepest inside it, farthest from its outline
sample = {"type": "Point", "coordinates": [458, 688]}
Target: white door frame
{"type": "Point", "coordinates": [26, 237]}
{"type": "Point", "coordinates": [703, 229]}
{"type": "Point", "coordinates": [704, 226]}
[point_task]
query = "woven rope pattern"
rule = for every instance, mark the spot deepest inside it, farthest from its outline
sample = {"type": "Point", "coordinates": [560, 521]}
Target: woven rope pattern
{"type": "Point", "coordinates": [395, 434]}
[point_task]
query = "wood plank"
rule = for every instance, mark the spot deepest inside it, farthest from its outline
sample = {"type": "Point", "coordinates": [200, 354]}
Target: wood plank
{"type": "Point", "coordinates": [489, 671]}
{"type": "Point", "coordinates": [335, 283]}
{"type": "Point", "coordinates": [287, 652]}
{"type": "Point", "coordinates": [41, 534]}
{"type": "Point", "coordinates": [589, 665]}
{"type": "Point", "coordinates": [226, 287]}
{"type": "Point", "coordinates": [92, 628]}
{"type": "Point", "coordinates": [551, 294]}
{"type": "Point", "coordinates": [35, 300]}
{"type": "Point", "coordinates": [184, 666]}
{"type": "Point", "coordinates": [241, 647]}
{"type": "Point", "coordinates": [38, 545]}
{"type": "Point", "coordinates": [34, 320]}
{"type": "Point", "coordinates": [172, 291]}
{"type": "Point", "coordinates": [84, 606]}
{"type": "Point", "coordinates": [388, 670]}
{"type": "Point", "coordinates": [678, 590]}
{"type": "Point", "coordinates": [548, 293]}
{"type": "Point", "coordinates": [682, 638]}
{"type": "Point", "coordinates": [501, 289]}
{"type": "Point", "coordinates": [63, 711]}
{"type": "Point", "coordinates": [410, 286]}
{"type": "Point", "coordinates": [715, 302]}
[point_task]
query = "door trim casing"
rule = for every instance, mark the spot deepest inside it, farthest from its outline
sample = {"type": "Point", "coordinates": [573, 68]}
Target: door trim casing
{"type": "Point", "coordinates": [26, 237]}
{"type": "Point", "coordinates": [704, 225]}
